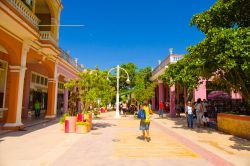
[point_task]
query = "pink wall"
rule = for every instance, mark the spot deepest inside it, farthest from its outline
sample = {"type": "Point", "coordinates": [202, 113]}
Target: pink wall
{"type": "Point", "coordinates": [201, 91]}
{"type": "Point", "coordinates": [235, 95]}
{"type": "Point", "coordinates": [65, 72]}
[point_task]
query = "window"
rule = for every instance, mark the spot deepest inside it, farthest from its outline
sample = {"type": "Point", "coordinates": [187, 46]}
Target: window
{"type": "Point", "coordinates": [39, 79]}
{"type": "Point", "coordinates": [3, 75]}
{"type": "Point", "coordinates": [33, 78]}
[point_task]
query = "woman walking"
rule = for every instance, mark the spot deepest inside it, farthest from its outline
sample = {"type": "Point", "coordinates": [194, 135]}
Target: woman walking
{"type": "Point", "coordinates": [199, 112]}
{"type": "Point", "coordinates": [189, 113]}
{"type": "Point", "coordinates": [145, 123]}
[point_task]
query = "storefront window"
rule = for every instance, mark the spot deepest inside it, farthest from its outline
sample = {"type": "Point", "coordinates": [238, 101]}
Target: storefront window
{"type": "Point", "coordinates": [3, 74]}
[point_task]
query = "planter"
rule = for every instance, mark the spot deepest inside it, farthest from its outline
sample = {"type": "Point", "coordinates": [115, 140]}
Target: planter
{"type": "Point", "coordinates": [82, 129]}
{"type": "Point", "coordinates": [72, 124]}
{"type": "Point", "coordinates": [88, 118]}
{"type": "Point", "coordinates": [238, 125]}
{"type": "Point", "coordinates": [62, 126]}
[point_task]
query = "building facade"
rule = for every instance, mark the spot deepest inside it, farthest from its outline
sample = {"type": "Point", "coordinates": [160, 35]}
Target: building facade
{"type": "Point", "coordinates": [178, 94]}
{"type": "Point", "coordinates": [32, 66]}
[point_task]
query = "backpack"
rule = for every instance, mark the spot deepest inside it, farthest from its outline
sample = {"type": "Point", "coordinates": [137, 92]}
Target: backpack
{"type": "Point", "coordinates": [141, 114]}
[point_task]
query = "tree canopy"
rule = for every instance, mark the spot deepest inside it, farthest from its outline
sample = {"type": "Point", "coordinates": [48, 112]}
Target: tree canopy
{"type": "Point", "coordinates": [223, 56]}
{"type": "Point", "coordinates": [92, 85]}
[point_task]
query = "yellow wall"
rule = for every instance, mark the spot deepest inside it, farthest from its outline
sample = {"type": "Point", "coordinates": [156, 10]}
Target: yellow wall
{"type": "Point", "coordinates": [238, 125]}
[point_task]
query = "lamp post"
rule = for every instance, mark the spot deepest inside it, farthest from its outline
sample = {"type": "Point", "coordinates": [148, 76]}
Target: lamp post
{"type": "Point", "coordinates": [118, 68]}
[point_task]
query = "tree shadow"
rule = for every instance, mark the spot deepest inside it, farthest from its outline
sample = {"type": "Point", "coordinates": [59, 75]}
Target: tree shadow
{"type": "Point", "coordinates": [29, 129]}
{"type": "Point", "coordinates": [99, 125]}
{"type": "Point", "coordinates": [181, 122]}
{"type": "Point", "coordinates": [240, 143]}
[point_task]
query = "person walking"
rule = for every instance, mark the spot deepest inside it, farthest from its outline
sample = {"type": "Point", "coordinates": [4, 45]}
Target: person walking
{"type": "Point", "coordinates": [145, 123]}
{"type": "Point", "coordinates": [189, 113]}
{"type": "Point", "coordinates": [205, 112]}
{"type": "Point", "coordinates": [199, 112]}
{"type": "Point", "coordinates": [124, 108]}
{"type": "Point", "coordinates": [37, 109]}
{"type": "Point", "coordinates": [161, 106]}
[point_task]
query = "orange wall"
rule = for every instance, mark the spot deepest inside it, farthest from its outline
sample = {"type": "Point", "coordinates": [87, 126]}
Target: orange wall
{"type": "Point", "coordinates": [238, 125]}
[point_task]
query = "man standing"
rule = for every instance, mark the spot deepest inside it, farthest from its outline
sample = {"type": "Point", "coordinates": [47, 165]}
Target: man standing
{"type": "Point", "coordinates": [161, 106]}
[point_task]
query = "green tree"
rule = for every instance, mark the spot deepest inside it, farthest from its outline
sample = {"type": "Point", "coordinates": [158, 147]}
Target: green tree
{"type": "Point", "coordinates": [92, 85]}
{"type": "Point", "coordinates": [144, 88]}
{"type": "Point", "coordinates": [224, 54]}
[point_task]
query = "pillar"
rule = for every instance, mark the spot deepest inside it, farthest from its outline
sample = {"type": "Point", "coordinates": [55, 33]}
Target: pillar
{"type": "Point", "coordinates": [52, 94]}
{"type": "Point", "coordinates": [153, 104]}
{"type": "Point", "coordinates": [172, 101]}
{"type": "Point", "coordinates": [65, 100]}
{"type": "Point", "coordinates": [161, 91]}
{"type": "Point", "coordinates": [185, 96]}
{"type": "Point", "coordinates": [167, 93]}
{"type": "Point", "coordinates": [201, 91]}
{"type": "Point", "coordinates": [16, 78]}
{"type": "Point", "coordinates": [26, 95]}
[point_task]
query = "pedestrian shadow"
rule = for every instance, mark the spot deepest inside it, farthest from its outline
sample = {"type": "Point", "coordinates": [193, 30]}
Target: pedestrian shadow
{"type": "Point", "coordinates": [99, 125]}
{"type": "Point", "coordinates": [29, 129]}
{"type": "Point", "coordinates": [140, 138]}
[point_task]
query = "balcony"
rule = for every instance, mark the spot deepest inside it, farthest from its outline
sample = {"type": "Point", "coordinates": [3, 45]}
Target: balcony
{"type": "Point", "coordinates": [25, 11]}
{"type": "Point", "coordinates": [71, 61]}
{"type": "Point", "coordinates": [173, 58]}
{"type": "Point", "coordinates": [47, 36]}
{"type": "Point", "coordinates": [162, 65]}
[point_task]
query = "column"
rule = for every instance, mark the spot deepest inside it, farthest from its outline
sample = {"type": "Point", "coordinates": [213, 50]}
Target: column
{"type": "Point", "coordinates": [167, 93]}
{"type": "Point", "coordinates": [16, 78]}
{"type": "Point", "coordinates": [172, 101]}
{"type": "Point", "coordinates": [26, 93]}
{"type": "Point", "coordinates": [185, 96]}
{"type": "Point", "coordinates": [153, 104]}
{"type": "Point", "coordinates": [52, 94]}
{"type": "Point", "coordinates": [161, 91]}
{"type": "Point", "coordinates": [65, 100]}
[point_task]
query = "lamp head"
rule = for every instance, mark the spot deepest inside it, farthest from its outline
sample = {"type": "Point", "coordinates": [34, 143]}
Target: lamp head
{"type": "Point", "coordinates": [128, 81]}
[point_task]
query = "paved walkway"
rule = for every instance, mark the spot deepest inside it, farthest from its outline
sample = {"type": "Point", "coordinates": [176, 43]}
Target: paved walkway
{"type": "Point", "coordinates": [116, 142]}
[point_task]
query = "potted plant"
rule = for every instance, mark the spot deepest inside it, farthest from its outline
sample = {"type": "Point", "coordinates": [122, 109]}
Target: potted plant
{"type": "Point", "coordinates": [82, 127]}
{"type": "Point", "coordinates": [62, 120]}
{"type": "Point", "coordinates": [72, 111]}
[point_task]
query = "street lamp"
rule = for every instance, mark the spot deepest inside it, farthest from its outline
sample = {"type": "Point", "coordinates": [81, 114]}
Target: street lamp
{"type": "Point", "coordinates": [118, 68]}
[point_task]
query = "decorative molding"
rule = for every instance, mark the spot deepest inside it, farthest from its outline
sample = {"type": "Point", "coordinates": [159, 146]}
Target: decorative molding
{"type": "Point", "coordinates": [16, 68]}
{"type": "Point", "coordinates": [13, 124]}
{"type": "Point", "coordinates": [50, 116]}
{"type": "Point", "coordinates": [52, 80]}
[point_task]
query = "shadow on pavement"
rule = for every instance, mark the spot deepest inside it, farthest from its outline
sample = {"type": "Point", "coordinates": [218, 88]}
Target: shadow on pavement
{"type": "Point", "coordinates": [98, 125]}
{"type": "Point", "coordinates": [29, 129]}
{"type": "Point", "coordinates": [181, 122]}
{"type": "Point", "coordinates": [240, 144]}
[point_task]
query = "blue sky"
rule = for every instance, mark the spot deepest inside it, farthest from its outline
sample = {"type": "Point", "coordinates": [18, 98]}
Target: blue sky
{"type": "Point", "coordinates": [121, 31]}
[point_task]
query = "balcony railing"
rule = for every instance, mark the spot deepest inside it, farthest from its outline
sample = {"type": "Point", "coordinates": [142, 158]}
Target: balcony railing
{"type": "Point", "coordinates": [161, 65]}
{"type": "Point", "coordinates": [25, 11]}
{"type": "Point", "coordinates": [173, 58]}
{"type": "Point", "coordinates": [66, 57]}
{"type": "Point", "coordinates": [47, 36]}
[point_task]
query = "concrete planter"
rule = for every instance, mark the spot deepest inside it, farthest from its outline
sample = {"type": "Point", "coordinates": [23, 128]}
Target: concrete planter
{"type": "Point", "coordinates": [238, 125]}
{"type": "Point", "coordinates": [82, 129]}
{"type": "Point", "coordinates": [72, 123]}
{"type": "Point", "coordinates": [88, 118]}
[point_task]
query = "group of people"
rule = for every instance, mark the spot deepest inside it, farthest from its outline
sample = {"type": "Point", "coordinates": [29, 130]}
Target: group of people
{"type": "Point", "coordinates": [198, 111]}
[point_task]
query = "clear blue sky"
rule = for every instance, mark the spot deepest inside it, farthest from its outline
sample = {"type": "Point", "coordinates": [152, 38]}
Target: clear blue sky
{"type": "Point", "coordinates": [121, 31]}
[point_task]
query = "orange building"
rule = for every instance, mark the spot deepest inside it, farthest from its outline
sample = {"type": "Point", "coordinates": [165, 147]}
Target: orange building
{"type": "Point", "coordinates": [32, 66]}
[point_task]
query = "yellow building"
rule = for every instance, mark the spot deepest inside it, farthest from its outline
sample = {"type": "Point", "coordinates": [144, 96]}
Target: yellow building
{"type": "Point", "coordinates": [32, 66]}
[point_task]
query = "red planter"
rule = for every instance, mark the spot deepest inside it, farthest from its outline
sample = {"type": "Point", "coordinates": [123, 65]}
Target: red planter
{"type": "Point", "coordinates": [72, 124]}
